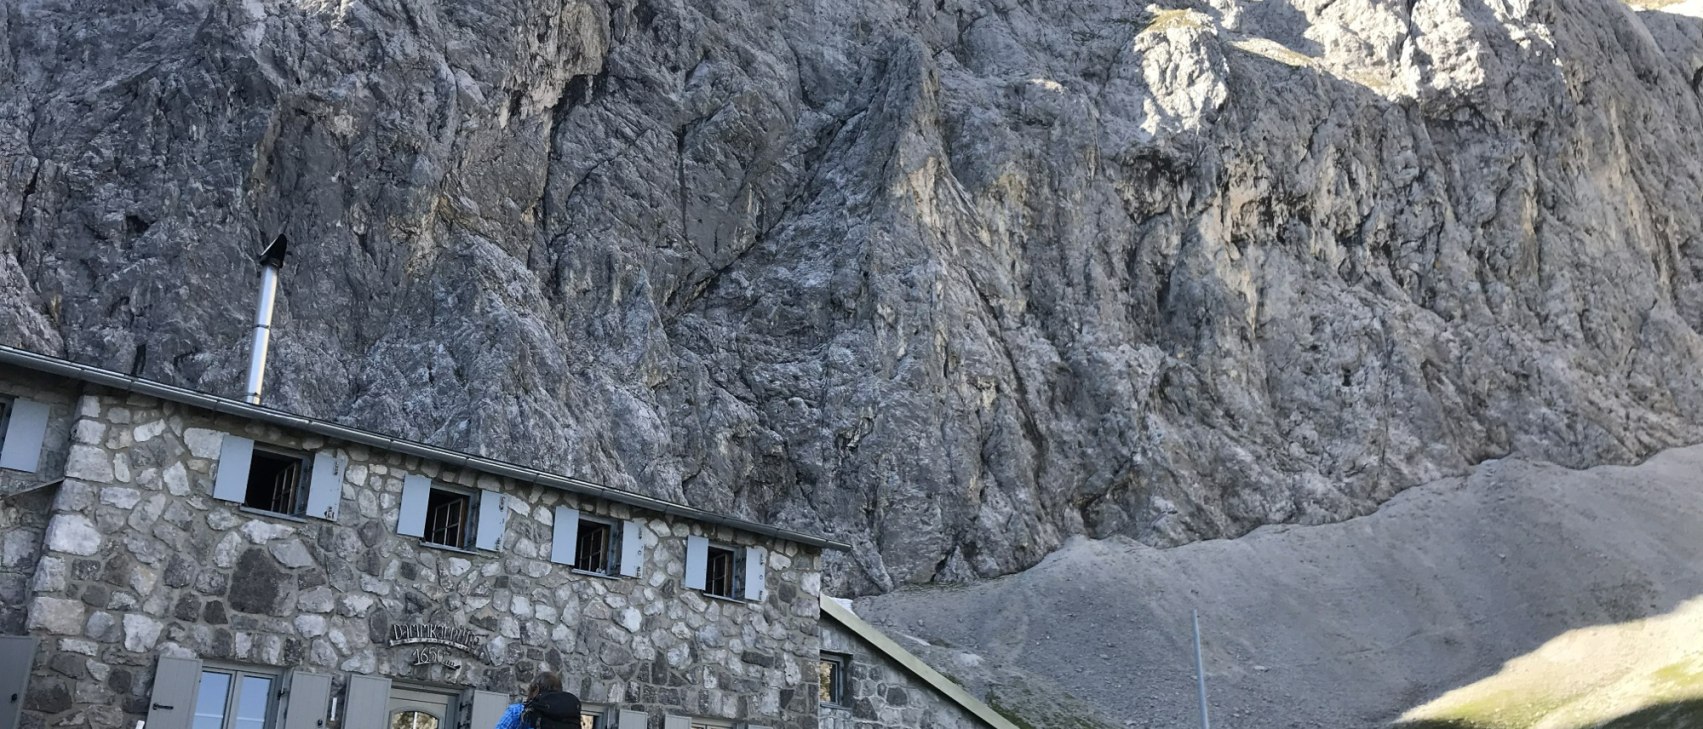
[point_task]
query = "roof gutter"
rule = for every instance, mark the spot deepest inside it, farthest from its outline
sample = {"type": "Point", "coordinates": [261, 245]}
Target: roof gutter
{"type": "Point", "coordinates": [108, 378]}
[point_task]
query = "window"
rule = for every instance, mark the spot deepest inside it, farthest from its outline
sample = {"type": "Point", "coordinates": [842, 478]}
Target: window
{"type": "Point", "coordinates": [722, 577]}
{"type": "Point", "coordinates": [594, 547]}
{"type": "Point", "coordinates": [279, 480]}
{"type": "Point", "coordinates": [592, 717]}
{"type": "Point", "coordinates": [711, 724]}
{"type": "Point", "coordinates": [449, 518]}
{"type": "Point", "coordinates": [831, 679]}
{"type": "Point", "coordinates": [23, 431]}
{"type": "Point", "coordinates": [233, 699]}
{"type": "Point", "coordinates": [413, 720]}
{"type": "Point", "coordinates": [275, 482]}
{"type": "Point", "coordinates": [725, 571]}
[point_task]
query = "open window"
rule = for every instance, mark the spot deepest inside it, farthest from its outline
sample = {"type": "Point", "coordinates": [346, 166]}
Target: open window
{"type": "Point", "coordinates": [451, 517]}
{"type": "Point", "coordinates": [596, 545]}
{"type": "Point", "coordinates": [831, 679]}
{"type": "Point", "coordinates": [23, 429]}
{"type": "Point", "coordinates": [279, 481]}
{"type": "Point", "coordinates": [726, 571]}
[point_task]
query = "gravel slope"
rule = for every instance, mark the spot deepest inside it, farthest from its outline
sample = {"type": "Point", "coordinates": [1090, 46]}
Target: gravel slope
{"type": "Point", "coordinates": [1351, 624]}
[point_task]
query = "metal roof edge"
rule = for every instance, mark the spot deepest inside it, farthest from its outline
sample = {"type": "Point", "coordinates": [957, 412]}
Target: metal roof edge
{"type": "Point", "coordinates": [108, 378]}
{"type": "Point", "coordinates": [910, 662]}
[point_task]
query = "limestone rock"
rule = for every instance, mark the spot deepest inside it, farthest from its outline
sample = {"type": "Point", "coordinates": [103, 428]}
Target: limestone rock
{"type": "Point", "coordinates": [952, 281]}
{"type": "Point", "coordinates": [73, 534]}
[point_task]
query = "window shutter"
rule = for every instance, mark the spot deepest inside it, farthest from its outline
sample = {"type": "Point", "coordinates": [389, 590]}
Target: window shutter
{"type": "Point", "coordinates": [697, 561]}
{"type": "Point", "coordinates": [172, 705]}
{"type": "Point", "coordinates": [632, 548]}
{"type": "Point", "coordinates": [488, 707]}
{"type": "Point", "coordinates": [325, 489]}
{"type": "Point", "coordinates": [366, 703]}
{"type": "Point", "coordinates": [493, 516]}
{"type": "Point", "coordinates": [411, 521]}
{"type": "Point", "coordinates": [564, 539]}
{"type": "Point", "coordinates": [676, 722]}
{"type": "Point", "coordinates": [17, 654]}
{"type": "Point", "coordinates": [633, 720]}
{"type": "Point", "coordinates": [21, 451]}
{"type": "Point", "coordinates": [231, 483]}
{"type": "Point", "coordinates": [756, 568]}
{"type": "Point", "coordinates": [306, 699]}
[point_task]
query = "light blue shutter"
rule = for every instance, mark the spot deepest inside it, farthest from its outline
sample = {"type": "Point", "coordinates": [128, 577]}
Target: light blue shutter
{"type": "Point", "coordinates": [411, 520]}
{"type": "Point", "coordinates": [21, 451]}
{"type": "Point", "coordinates": [172, 704]}
{"type": "Point", "coordinates": [493, 515]}
{"type": "Point", "coordinates": [366, 703]}
{"type": "Point", "coordinates": [633, 720]}
{"type": "Point", "coordinates": [325, 489]}
{"type": "Point", "coordinates": [632, 548]}
{"type": "Point", "coordinates": [306, 700]}
{"type": "Point", "coordinates": [564, 540]}
{"type": "Point", "coordinates": [488, 707]}
{"type": "Point", "coordinates": [676, 722]}
{"type": "Point", "coordinates": [756, 568]}
{"type": "Point", "coordinates": [231, 483]}
{"type": "Point", "coordinates": [17, 654]}
{"type": "Point", "coordinates": [697, 561]}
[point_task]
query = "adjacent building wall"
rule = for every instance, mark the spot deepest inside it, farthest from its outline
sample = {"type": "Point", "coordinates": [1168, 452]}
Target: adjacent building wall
{"type": "Point", "coordinates": [881, 692]}
{"type": "Point", "coordinates": [140, 561]}
{"type": "Point", "coordinates": [25, 497]}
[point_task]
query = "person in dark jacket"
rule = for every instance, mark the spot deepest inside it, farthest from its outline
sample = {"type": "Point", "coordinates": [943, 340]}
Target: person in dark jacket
{"type": "Point", "coordinates": [546, 706]}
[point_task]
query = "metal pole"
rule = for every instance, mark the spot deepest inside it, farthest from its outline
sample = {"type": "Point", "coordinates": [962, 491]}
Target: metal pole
{"type": "Point", "coordinates": [262, 332]}
{"type": "Point", "coordinates": [1200, 673]}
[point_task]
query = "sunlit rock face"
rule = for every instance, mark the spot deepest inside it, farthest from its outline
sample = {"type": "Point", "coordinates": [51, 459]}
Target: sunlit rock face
{"type": "Point", "coordinates": [949, 280]}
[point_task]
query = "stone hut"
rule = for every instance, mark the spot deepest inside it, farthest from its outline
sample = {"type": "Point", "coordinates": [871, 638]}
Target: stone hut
{"type": "Point", "coordinates": [174, 560]}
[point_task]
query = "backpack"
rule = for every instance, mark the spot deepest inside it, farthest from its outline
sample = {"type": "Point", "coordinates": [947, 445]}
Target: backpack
{"type": "Point", "coordinates": [552, 710]}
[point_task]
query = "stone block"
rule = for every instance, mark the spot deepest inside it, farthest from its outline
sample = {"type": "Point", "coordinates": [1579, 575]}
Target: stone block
{"type": "Point", "coordinates": [203, 443]}
{"type": "Point", "coordinates": [73, 534]}
{"type": "Point", "coordinates": [89, 463]}
{"type": "Point", "coordinates": [57, 616]}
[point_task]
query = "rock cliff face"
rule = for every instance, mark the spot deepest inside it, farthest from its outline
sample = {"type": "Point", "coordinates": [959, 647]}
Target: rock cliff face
{"type": "Point", "coordinates": [952, 280]}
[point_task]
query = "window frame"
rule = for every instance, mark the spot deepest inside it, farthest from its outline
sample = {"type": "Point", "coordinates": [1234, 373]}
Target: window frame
{"type": "Point", "coordinates": [736, 570]}
{"type": "Point", "coordinates": [841, 689]}
{"type": "Point", "coordinates": [598, 713]}
{"type": "Point", "coordinates": [701, 722]}
{"type": "Point", "coordinates": [6, 403]}
{"type": "Point", "coordinates": [611, 546]}
{"type": "Point", "coordinates": [469, 518]}
{"type": "Point", "coordinates": [304, 480]}
{"type": "Point", "coordinates": [233, 695]}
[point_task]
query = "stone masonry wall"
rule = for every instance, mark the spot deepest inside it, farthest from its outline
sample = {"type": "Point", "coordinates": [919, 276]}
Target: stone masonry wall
{"type": "Point", "coordinates": [881, 693]}
{"type": "Point", "coordinates": [140, 561]}
{"type": "Point", "coordinates": [23, 505]}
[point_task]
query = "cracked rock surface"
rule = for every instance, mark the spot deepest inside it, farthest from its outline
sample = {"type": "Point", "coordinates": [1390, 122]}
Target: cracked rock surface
{"type": "Point", "coordinates": [951, 280]}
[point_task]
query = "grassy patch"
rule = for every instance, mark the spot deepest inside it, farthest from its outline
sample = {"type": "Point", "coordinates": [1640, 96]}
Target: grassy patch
{"type": "Point", "coordinates": [1652, 4]}
{"type": "Point", "coordinates": [1175, 19]}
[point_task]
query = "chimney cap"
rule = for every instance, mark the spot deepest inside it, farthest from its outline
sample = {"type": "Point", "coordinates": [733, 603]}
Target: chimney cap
{"type": "Point", "coordinates": [273, 255]}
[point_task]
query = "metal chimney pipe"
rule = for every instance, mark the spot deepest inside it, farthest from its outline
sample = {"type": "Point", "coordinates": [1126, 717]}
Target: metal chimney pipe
{"type": "Point", "coordinates": [271, 263]}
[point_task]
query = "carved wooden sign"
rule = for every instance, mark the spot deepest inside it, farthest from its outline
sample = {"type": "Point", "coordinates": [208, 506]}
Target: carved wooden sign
{"type": "Point", "coordinates": [432, 643]}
